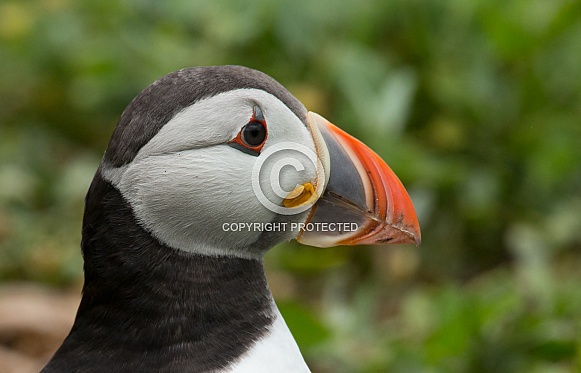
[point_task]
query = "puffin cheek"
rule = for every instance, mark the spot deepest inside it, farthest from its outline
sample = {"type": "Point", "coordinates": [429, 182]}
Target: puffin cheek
{"type": "Point", "coordinates": [185, 200]}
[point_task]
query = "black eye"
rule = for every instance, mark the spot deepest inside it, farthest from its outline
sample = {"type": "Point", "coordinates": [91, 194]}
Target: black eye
{"type": "Point", "coordinates": [253, 134]}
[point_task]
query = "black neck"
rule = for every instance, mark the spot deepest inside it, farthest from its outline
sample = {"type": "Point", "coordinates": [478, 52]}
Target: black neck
{"type": "Point", "coordinates": [147, 307]}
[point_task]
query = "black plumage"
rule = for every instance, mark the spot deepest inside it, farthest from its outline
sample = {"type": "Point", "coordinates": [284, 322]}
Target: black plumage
{"type": "Point", "coordinates": [149, 308]}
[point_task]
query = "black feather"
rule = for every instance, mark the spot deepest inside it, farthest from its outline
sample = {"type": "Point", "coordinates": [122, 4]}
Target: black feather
{"type": "Point", "coordinates": [149, 308]}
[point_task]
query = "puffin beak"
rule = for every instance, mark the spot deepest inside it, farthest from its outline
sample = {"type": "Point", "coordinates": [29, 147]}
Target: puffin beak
{"type": "Point", "coordinates": [363, 203]}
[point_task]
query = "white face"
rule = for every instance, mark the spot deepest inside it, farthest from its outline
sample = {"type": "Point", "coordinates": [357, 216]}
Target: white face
{"type": "Point", "coordinates": [186, 183]}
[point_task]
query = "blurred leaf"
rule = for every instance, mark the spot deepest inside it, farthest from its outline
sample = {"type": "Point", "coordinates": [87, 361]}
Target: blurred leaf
{"type": "Point", "coordinates": [307, 330]}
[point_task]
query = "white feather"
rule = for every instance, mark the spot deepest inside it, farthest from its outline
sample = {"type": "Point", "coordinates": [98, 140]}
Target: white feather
{"type": "Point", "coordinates": [276, 352]}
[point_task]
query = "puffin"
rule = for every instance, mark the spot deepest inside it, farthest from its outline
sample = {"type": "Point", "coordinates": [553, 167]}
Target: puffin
{"type": "Point", "coordinates": [207, 169]}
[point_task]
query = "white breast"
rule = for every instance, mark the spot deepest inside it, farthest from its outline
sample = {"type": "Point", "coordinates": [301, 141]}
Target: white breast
{"type": "Point", "coordinates": [276, 352]}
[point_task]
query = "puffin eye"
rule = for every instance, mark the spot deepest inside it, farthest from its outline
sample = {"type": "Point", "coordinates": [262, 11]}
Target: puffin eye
{"type": "Point", "coordinates": [253, 134]}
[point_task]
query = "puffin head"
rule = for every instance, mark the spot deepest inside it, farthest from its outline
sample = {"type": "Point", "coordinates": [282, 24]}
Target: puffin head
{"type": "Point", "coordinates": [225, 161]}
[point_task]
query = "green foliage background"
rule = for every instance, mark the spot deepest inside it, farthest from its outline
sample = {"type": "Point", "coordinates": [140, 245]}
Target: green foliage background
{"type": "Point", "coordinates": [475, 104]}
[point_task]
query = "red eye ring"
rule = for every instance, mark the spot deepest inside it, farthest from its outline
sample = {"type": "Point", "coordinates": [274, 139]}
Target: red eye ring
{"type": "Point", "coordinates": [253, 135]}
